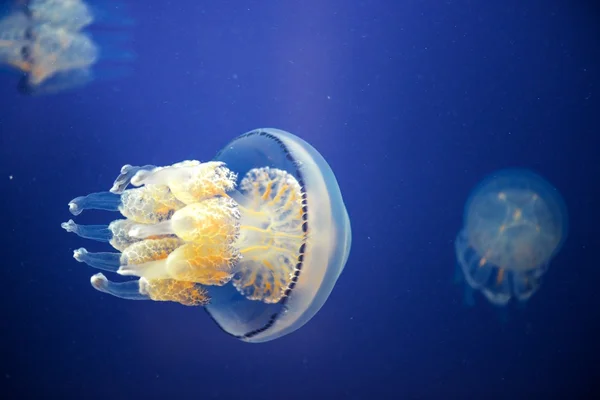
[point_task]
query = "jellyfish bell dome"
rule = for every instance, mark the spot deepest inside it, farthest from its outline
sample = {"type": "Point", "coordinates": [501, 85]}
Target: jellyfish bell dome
{"type": "Point", "coordinates": [321, 253]}
{"type": "Point", "coordinates": [519, 184]}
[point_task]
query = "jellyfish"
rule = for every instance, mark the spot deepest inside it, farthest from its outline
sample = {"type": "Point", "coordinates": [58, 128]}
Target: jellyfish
{"type": "Point", "coordinates": [515, 222]}
{"type": "Point", "coordinates": [13, 37]}
{"type": "Point", "coordinates": [53, 45]}
{"type": "Point", "coordinates": [258, 236]}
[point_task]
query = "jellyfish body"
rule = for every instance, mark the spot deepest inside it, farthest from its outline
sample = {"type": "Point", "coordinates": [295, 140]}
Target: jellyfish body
{"type": "Point", "coordinates": [51, 43]}
{"type": "Point", "coordinates": [514, 224]}
{"type": "Point", "coordinates": [258, 236]}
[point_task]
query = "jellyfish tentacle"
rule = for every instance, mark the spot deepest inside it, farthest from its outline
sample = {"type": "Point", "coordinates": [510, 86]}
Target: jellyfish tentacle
{"type": "Point", "coordinates": [105, 261]}
{"type": "Point", "coordinates": [124, 178]}
{"type": "Point", "coordinates": [186, 293]}
{"type": "Point", "coordinates": [525, 284]}
{"type": "Point", "coordinates": [100, 233]}
{"type": "Point", "coordinates": [129, 290]}
{"type": "Point", "coordinates": [116, 233]}
{"type": "Point", "coordinates": [95, 201]}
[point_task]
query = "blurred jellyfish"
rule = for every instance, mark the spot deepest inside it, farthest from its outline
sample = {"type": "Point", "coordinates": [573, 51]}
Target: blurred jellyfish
{"type": "Point", "coordinates": [13, 38]}
{"type": "Point", "coordinates": [45, 40]}
{"type": "Point", "coordinates": [514, 224]}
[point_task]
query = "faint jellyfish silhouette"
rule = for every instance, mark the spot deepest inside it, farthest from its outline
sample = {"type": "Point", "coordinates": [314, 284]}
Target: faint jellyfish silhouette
{"type": "Point", "coordinates": [45, 41]}
{"type": "Point", "coordinates": [258, 236]}
{"type": "Point", "coordinates": [514, 224]}
{"type": "Point", "coordinates": [72, 15]}
{"type": "Point", "coordinates": [77, 14]}
{"type": "Point", "coordinates": [13, 37]}
{"type": "Point", "coordinates": [57, 59]}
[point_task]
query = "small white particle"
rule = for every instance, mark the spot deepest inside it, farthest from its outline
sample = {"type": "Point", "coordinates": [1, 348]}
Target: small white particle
{"type": "Point", "coordinates": [10, 177]}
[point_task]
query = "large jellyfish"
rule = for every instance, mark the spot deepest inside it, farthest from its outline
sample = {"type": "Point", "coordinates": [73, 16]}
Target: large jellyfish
{"type": "Point", "coordinates": [258, 236]}
{"type": "Point", "coordinates": [514, 224]}
{"type": "Point", "coordinates": [45, 41]}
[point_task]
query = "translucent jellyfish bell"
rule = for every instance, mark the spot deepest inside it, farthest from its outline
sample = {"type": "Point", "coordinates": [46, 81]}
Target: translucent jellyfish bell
{"type": "Point", "coordinates": [258, 236]}
{"type": "Point", "coordinates": [514, 224]}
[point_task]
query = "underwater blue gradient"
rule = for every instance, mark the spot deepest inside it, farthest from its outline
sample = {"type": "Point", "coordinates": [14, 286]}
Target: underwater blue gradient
{"type": "Point", "coordinates": [411, 103]}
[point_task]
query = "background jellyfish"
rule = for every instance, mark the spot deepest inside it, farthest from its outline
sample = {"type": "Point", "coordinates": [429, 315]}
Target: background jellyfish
{"type": "Point", "coordinates": [514, 223]}
{"type": "Point", "coordinates": [54, 45]}
{"type": "Point", "coordinates": [258, 236]}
